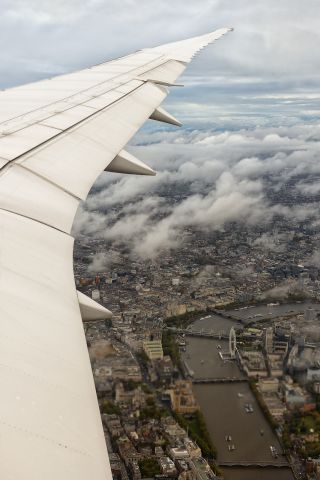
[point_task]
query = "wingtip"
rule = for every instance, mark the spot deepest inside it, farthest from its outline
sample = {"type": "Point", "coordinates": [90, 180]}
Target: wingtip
{"type": "Point", "coordinates": [184, 50]}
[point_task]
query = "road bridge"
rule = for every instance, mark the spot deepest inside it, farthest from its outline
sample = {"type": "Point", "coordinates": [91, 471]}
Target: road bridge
{"type": "Point", "coordinates": [199, 333]}
{"type": "Point", "coordinates": [254, 464]}
{"type": "Point", "coordinates": [220, 380]}
{"type": "Point", "coordinates": [195, 333]}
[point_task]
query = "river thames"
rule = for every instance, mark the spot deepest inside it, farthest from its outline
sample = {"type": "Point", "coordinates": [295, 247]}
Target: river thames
{"type": "Point", "coordinates": [223, 406]}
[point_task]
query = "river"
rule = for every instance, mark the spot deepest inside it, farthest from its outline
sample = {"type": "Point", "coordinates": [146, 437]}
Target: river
{"type": "Point", "coordinates": [263, 312]}
{"type": "Point", "coordinates": [224, 412]}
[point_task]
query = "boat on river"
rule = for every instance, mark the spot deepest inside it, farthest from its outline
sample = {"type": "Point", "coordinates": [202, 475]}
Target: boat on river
{"type": "Point", "coordinates": [274, 452]}
{"type": "Point", "coordinates": [248, 408]}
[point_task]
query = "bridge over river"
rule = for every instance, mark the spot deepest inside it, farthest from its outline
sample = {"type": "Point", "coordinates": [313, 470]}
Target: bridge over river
{"type": "Point", "coordinates": [283, 464]}
{"type": "Point", "coordinates": [199, 333]}
{"type": "Point", "coordinates": [219, 380]}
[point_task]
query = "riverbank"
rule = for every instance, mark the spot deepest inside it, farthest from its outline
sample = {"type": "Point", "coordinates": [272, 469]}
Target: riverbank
{"type": "Point", "coordinates": [223, 408]}
{"type": "Point", "coordinates": [274, 424]}
{"type": "Point", "coordinates": [196, 426]}
{"type": "Point", "coordinates": [182, 321]}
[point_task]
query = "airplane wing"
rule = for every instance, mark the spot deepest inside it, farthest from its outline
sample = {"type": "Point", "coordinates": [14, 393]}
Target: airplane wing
{"type": "Point", "coordinates": [56, 137]}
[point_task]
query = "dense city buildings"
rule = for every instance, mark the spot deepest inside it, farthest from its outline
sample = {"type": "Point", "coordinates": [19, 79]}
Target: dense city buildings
{"type": "Point", "coordinates": [268, 288]}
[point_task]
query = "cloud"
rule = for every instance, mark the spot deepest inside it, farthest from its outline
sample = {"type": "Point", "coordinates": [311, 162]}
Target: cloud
{"type": "Point", "coordinates": [47, 13]}
{"type": "Point", "coordinates": [205, 180]}
{"type": "Point", "coordinates": [103, 262]}
{"type": "Point", "coordinates": [282, 291]}
{"type": "Point", "coordinates": [272, 241]}
{"type": "Point", "coordinates": [309, 188]}
{"type": "Point", "coordinates": [314, 259]}
{"type": "Point", "coordinates": [228, 202]}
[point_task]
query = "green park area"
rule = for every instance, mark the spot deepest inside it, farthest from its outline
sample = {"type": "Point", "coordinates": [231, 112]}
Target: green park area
{"type": "Point", "coordinates": [196, 427]}
{"type": "Point", "coordinates": [149, 468]}
{"type": "Point", "coordinates": [302, 431]}
{"type": "Point", "coordinates": [151, 411]}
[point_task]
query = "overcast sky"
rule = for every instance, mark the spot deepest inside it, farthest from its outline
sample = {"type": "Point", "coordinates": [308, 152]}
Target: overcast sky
{"type": "Point", "coordinates": [269, 66]}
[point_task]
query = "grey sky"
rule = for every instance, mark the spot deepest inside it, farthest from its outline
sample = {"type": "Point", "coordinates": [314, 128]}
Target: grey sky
{"type": "Point", "coordinates": [274, 49]}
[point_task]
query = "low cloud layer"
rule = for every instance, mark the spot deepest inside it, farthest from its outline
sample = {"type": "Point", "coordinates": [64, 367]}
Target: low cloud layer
{"type": "Point", "coordinates": [205, 179]}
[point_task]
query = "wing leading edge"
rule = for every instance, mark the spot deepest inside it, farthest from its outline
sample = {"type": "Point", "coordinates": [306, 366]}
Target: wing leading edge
{"type": "Point", "coordinates": [56, 137]}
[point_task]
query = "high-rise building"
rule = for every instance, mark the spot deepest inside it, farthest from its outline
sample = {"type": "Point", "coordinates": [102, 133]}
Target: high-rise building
{"type": "Point", "coordinates": [268, 342]}
{"type": "Point", "coordinates": [95, 294]}
{"type": "Point", "coordinates": [152, 344]}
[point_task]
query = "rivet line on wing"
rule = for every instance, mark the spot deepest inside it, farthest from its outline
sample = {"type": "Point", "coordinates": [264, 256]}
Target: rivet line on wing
{"type": "Point", "coordinates": [42, 437]}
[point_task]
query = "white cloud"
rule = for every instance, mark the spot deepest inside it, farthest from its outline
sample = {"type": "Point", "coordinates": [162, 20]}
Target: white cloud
{"type": "Point", "coordinates": [103, 261]}
{"type": "Point", "coordinates": [211, 180]}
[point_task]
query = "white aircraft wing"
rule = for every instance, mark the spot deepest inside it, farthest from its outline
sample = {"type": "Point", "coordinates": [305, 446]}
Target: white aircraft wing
{"type": "Point", "coordinates": [56, 137]}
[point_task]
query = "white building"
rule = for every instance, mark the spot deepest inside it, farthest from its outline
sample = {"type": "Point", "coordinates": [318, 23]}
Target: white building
{"type": "Point", "coordinates": [95, 294]}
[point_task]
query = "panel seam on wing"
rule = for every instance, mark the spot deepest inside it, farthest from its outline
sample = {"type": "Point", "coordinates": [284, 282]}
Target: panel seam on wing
{"type": "Point", "coordinates": [35, 220]}
{"type": "Point", "coordinates": [20, 165]}
{"type": "Point", "coordinates": [65, 99]}
{"type": "Point", "coordinates": [61, 132]}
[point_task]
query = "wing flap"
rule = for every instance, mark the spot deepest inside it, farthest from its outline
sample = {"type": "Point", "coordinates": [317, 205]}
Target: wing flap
{"type": "Point", "coordinates": [31, 196]}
